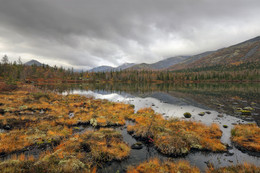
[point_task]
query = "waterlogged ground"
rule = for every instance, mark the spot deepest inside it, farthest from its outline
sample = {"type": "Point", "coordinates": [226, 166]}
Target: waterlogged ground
{"type": "Point", "coordinates": [206, 108]}
{"type": "Point", "coordinates": [170, 106]}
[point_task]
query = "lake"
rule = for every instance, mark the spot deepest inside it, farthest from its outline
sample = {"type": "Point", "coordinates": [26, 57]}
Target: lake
{"type": "Point", "coordinates": [220, 103]}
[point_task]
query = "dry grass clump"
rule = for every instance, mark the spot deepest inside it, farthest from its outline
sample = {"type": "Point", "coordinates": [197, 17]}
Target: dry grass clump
{"type": "Point", "coordinates": [96, 146]}
{"type": "Point", "coordinates": [155, 166]}
{"type": "Point", "coordinates": [241, 168]}
{"type": "Point", "coordinates": [50, 106]}
{"type": "Point", "coordinates": [79, 153]}
{"type": "Point", "coordinates": [175, 137]}
{"type": "Point", "coordinates": [246, 136]}
{"type": "Point", "coordinates": [37, 134]}
{"type": "Point", "coordinates": [48, 163]}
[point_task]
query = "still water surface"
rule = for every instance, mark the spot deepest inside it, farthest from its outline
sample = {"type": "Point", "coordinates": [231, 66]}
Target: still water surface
{"type": "Point", "coordinates": [220, 100]}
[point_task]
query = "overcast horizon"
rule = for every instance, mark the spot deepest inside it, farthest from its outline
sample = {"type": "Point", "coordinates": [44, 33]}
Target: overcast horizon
{"type": "Point", "coordinates": [88, 33]}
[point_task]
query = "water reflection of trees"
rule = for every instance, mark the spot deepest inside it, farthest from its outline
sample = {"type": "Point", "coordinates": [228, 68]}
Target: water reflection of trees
{"type": "Point", "coordinates": [242, 90]}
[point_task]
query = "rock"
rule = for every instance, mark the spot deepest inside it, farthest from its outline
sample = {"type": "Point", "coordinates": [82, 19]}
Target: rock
{"type": "Point", "coordinates": [225, 126]}
{"type": "Point", "coordinates": [202, 113]}
{"type": "Point", "coordinates": [187, 115]}
{"type": "Point", "coordinates": [71, 114]}
{"type": "Point", "coordinates": [208, 112]}
{"type": "Point", "coordinates": [153, 104]}
{"type": "Point", "coordinates": [220, 115]}
{"type": "Point", "coordinates": [229, 154]}
{"type": "Point", "coordinates": [220, 105]}
{"type": "Point", "coordinates": [245, 112]}
{"type": "Point", "coordinates": [248, 108]}
{"type": "Point", "coordinates": [137, 146]}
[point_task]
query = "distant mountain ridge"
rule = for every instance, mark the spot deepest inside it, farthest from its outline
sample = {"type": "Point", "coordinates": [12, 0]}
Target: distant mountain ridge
{"type": "Point", "coordinates": [247, 51]}
{"type": "Point", "coordinates": [163, 64]}
{"type": "Point", "coordinates": [101, 69]}
{"type": "Point", "coordinates": [33, 62]}
{"type": "Point", "coordinates": [109, 68]}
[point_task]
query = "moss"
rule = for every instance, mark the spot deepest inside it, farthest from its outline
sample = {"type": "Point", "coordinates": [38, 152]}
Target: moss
{"type": "Point", "coordinates": [225, 126]}
{"type": "Point", "coordinates": [245, 112]}
{"type": "Point", "coordinates": [187, 115]}
{"type": "Point", "coordinates": [202, 113]}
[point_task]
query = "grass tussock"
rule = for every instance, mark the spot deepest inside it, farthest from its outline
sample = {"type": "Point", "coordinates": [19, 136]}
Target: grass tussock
{"type": "Point", "coordinates": [241, 168]}
{"type": "Point", "coordinates": [79, 153]}
{"type": "Point", "coordinates": [49, 163]}
{"type": "Point", "coordinates": [175, 137]}
{"type": "Point", "coordinates": [98, 146]}
{"type": "Point", "coordinates": [34, 118]}
{"type": "Point", "coordinates": [36, 134]}
{"type": "Point", "coordinates": [246, 136]}
{"type": "Point", "coordinates": [155, 166]}
{"type": "Point", "coordinates": [37, 106]}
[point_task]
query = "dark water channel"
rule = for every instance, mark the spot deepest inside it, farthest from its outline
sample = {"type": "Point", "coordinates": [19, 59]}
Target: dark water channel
{"type": "Point", "coordinates": [172, 101]}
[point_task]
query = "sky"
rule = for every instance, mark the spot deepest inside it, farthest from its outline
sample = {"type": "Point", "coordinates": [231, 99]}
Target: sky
{"type": "Point", "coordinates": [87, 33]}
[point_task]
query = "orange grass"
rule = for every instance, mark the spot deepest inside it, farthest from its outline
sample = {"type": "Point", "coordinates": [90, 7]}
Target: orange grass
{"type": "Point", "coordinates": [155, 166]}
{"type": "Point", "coordinates": [246, 136]}
{"type": "Point", "coordinates": [41, 133]}
{"type": "Point", "coordinates": [101, 145]}
{"type": "Point", "coordinates": [57, 107]}
{"type": "Point", "coordinates": [241, 168]}
{"type": "Point", "coordinates": [175, 137]}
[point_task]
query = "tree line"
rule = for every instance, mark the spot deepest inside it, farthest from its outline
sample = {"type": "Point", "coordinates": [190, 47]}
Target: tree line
{"type": "Point", "coordinates": [17, 71]}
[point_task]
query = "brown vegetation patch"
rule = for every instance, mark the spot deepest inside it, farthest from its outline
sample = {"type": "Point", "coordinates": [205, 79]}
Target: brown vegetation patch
{"type": "Point", "coordinates": [241, 168]}
{"type": "Point", "coordinates": [175, 137]}
{"type": "Point", "coordinates": [246, 136]}
{"type": "Point", "coordinates": [155, 166]}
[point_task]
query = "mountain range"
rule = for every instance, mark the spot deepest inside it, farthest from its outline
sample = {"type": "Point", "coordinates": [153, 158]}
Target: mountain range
{"type": "Point", "coordinates": [247, 51]}
{"type": "Point", "coordinates": [33, 62]}
{"type": "Point", "coordinates": [109, 68]}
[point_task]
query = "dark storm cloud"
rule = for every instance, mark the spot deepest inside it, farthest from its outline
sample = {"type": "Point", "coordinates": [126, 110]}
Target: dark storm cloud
{"type": "Point", "coordinates": [87, 33]}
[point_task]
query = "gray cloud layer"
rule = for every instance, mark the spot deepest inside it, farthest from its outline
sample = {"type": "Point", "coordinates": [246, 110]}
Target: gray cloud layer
{"type": "Point", "coordinates": [88, 33]}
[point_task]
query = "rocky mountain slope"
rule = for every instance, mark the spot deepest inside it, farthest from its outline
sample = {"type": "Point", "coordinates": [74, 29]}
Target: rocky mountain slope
{"type": "Point", "coordinates": [248, 51]}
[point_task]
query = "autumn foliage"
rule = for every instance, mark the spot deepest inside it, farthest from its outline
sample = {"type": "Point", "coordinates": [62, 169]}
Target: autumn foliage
{"type": "Point", "coordinates": [175, 137]}
{"type": "Point", "coordinates": [246, 136]}
{"type": "Point", "coordinates": [241, 168]}
{"type": "Point", "coordinates": [30, 118]}
{"type": "Point", "coordinates": [155, 166]}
